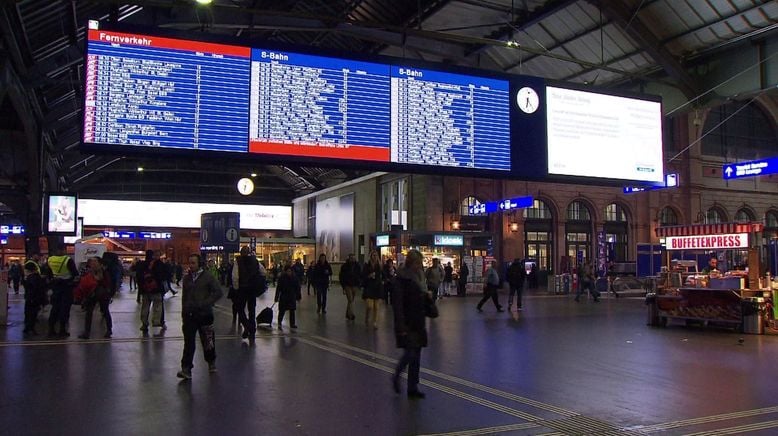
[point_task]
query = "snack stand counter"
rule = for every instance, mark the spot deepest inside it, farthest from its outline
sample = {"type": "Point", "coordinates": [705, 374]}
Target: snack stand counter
{"type": "Point", "coordinates": [732, 299]}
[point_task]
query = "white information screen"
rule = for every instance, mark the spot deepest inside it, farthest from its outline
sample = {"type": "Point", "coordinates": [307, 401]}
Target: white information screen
{"type": "Point", "coordinates": [604, 136]}
{"type": "Point", "coordinates": [179, 215]}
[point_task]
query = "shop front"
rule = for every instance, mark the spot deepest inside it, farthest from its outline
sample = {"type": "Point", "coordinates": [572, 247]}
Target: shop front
{"type": "Point", "coordinates": [449, 247]}
{"type": "Point", "coordinates": [713, 276]}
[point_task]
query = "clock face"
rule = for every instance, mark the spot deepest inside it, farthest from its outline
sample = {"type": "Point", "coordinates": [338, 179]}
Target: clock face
{"type": "Point", "coordinates": [528, 100]}
{"type": "Point", "coordinates": [245, 186]}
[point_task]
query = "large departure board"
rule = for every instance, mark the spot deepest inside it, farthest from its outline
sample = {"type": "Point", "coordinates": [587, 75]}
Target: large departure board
{"type": "Point", "coordinates": [150, 91]}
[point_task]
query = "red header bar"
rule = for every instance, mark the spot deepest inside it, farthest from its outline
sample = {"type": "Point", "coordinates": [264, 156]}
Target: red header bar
{"type": "Point", "coordinates": [176, 44]}
{"type": "Point", "coordinates": [354, 152]}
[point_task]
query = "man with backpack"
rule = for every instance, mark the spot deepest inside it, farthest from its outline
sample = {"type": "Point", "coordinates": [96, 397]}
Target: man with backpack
{"type": "Point", "coordinates": [248, 278]}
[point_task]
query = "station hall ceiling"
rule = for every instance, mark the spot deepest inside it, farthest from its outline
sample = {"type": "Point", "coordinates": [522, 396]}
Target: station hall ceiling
{"type": "Point", "coordinates": [613, 43]}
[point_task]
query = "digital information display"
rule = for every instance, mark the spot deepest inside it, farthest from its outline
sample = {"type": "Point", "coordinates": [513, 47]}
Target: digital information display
{"type": "Point", "coordinates": [151, 91]}
{"type": "Point", "coordinates": [604, 136]}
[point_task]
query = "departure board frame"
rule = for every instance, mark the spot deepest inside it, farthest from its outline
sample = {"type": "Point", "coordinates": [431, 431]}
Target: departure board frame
{"type": "Point", "coordinates": [524, 158]}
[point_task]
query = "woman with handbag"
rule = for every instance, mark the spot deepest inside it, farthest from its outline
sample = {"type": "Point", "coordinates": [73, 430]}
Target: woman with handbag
{"type": "Point", "coordinates": [94, 288]}
{"type": "Point", "coordinates": [412, 304]}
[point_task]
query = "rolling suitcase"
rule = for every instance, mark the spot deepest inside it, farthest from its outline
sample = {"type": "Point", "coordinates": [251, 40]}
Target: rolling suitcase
{"type": "Point", "coordinates": [265, 316]}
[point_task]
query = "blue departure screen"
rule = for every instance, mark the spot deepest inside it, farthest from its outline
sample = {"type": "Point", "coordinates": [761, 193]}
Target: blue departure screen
{"type": "Point", "coordinates": [149, 91]}
{"type": "Point", "coordinates": [161, 92]}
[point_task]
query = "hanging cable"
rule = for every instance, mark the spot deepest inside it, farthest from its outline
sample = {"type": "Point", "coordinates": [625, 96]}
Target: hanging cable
{"type": "Point", "coordinates": [717, 125]}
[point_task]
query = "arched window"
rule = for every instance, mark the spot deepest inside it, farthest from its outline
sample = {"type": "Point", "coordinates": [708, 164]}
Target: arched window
{"type": "Point", "coordinates": [467, 203]}
{"type": "Point", "coordinates": [578, 211]}
{"type": "Point", "coordinates": [538, 211]}
{"type": "Point", "coordinates": [747, 133]}
{"type": "Point", "coordinates": [616, 232]}
{"type": "Point", "coordinates": [615, 213]}
{"type": "Point", "coordinates": [539, 236]}
{"type": "Point", "coordinates": [578, 233]}
{"type": "Point", "coordinates": [668, 217]}
{"type": "Point", "coordinates": [771, 219]}
{"type": "Point", "coordinates": [715, 215]}
{"type": "Point", "coordinates": [744, 216]}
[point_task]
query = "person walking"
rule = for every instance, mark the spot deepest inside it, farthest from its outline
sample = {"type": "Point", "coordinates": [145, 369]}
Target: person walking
{"type": "Point", "coordinates": [34, 297]}
{"type": "Point", "coordinates": [350, 276]}
{"type": "Point", "coordinates": [586, 282]}
{"type": "Point", "coordinates": [288, 293]}
{"type": "Point", "coordinates": [491, 285]}
{"type": "Point", "coordinates": [389, 272]}
{"type": "Point", "coordinates": [434, 276]}
{"type": "Point", "coordinates": [248, 277]}
{"type": "Point", "coordinates": [372, 288]}
{"type": "Point", "coordinates": [150, 275]}
{"type": "Point", "coordinates": [321, 274]}
{"type": "Point", "coordinates": [64, 276]}
{"type": "Point", "coordinates": [15, 275]}
{"type": "Point", "coordinates": [516, 276]}
{"type": "Point", "coordinates": [308, 277]}
{"type": "Point", "coordinates": [94, 288]}
{"type": "Point", "coordinates": [200, 292]}
{"type": "Point", "coordinates": [410, 328]}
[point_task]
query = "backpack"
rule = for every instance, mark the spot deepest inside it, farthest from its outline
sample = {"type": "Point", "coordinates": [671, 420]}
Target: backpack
{"type": "Point", "coordinates": [149, 281]}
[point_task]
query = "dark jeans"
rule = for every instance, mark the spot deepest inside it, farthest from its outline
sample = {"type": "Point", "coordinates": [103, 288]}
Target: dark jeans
{"type": "Point", "coordinates": [583, 286]}
{"type": "Point", "coordinates": [515, 290]}
{"type": "Point", "coordinates": [490, 291]}
{"type": "Point", "coordinates": [61, 300]}
{"type": "Point", "coordinates": [16, 281]}
{"type": "Point", "coordinates": [193, 324]}
{"type": "Point", "coordinates": [412, 359]}
{"type": "Point", "coordinates": [30, 315]}
{"type": "Point", "coordinates": [89, 306]}
{"type": "Point", "coordinates": [292, 320]}
{"type": "Point", "coordinates": [462, 286]}
{"type": "Point", "coordinates": [249, 322]}
{"type": "Point", "coordinates": [321, 297]}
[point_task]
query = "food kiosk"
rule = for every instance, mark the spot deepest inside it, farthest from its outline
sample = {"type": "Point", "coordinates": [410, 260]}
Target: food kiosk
{"type": "Point", "coordinates": [736, 298]}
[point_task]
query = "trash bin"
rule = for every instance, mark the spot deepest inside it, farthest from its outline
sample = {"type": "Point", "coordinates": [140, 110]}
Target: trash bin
{"type": "Point", "coordinates": [566, 283]}
{"type": "Point", "coordinates": [752, 309]}
{"type": "Point", "coordinates": [653, 310]}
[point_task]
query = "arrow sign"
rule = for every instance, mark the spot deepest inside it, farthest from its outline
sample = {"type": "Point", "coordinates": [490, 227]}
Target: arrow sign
{"type": "Point", "coordinates": [750, 168]}
{"type": "Point", "coordinates": [502, 206]}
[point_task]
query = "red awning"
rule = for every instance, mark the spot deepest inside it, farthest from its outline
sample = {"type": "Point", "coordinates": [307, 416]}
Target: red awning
{"type": "Point", "coordinates": [709, 229]}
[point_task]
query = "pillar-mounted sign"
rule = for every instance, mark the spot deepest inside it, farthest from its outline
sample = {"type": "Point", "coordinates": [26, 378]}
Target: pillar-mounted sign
{"type": "Point", "coordinates": [220, 231]}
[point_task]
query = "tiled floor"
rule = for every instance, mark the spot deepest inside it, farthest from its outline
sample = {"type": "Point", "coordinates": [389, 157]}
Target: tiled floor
{"type": "Point", "coordinates": [558, 367]}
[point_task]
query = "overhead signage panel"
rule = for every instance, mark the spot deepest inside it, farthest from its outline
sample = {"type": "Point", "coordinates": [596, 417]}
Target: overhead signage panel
{"type": "Point", "coordinates": [750, 169]}
{"type": "Point", "coordinates": [144, 91]}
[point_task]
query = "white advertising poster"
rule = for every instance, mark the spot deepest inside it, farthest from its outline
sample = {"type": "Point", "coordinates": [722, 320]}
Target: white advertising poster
{"type": "Point", "coordinates": [604, 136]}
{"type": "Point", "coordinates": [335, 227]}
{"type": "Point", "coordinates": [84, 251]}
{"type": "Point", "coordinates": [62, 214]}
{"type": "Point", "coordinates": [179, 215]}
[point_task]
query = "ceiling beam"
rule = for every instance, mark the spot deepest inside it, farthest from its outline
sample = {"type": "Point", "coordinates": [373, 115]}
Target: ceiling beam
{"type": "Point", "coordinates": [524, 20]}
{"type": "Point", "coordinates": [633, 26]}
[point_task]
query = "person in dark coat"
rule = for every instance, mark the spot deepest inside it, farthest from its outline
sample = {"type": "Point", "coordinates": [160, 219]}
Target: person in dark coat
{"type": "Point", "coordinates": [516, 276]}
{"type": "Point", "coordinates": [464, 271]}
{"type": "Point", "coordinates": [34, 297]}
{"type": "Point", "coordinates": [448, 279]}
{"type": "Point", "coordinates": [320, 276]}
{"type": "Point", "coordinates": [287, 295]}
{"type": "Point", "coordinates": [248, 279]}
{"type": "Point", "coordinates": [201, 291]}
{"type": "Point", "coordinates": [410, 329]}
{"type": "Point", "coordinates": [350, 276]}
{"type": "Point", "coordinates": [372, 288]}
{"type": "Point", "coordinates": [389, 272]}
